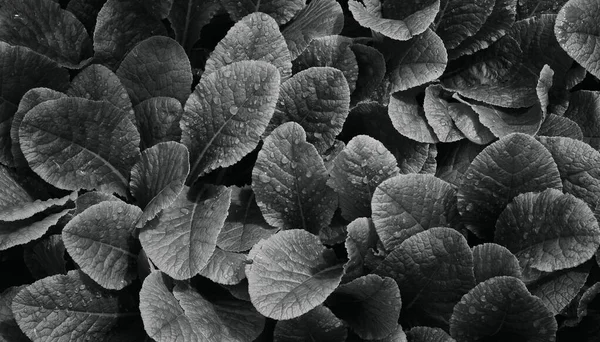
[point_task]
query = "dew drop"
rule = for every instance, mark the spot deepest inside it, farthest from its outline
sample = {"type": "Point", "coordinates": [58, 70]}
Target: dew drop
{"type": "Point", "coordinates": [317, 135]}
{"type": "Point", "coordinates": [233, 110]}
{"type": "Point", "coordinates": [184, 211]}
{"type": "Point", "coordinates": [470, 207]}
{"type": "Point", "coordinates": [82, 287]}
{"type": "Point", "coordinates": [278, 188]}
{"type": "Point", "coordinates": [263, 177]}
{"type": "Point", "coordinates": [284, 160]}
{"type": "Point", "coordinates": [380, 149]}
{"type": "Point", "coordinates": [308, 174]}
{"type": "Point", "coordinates": [119, 210]}
{"type": "Point", "coordinates": [472, 310]}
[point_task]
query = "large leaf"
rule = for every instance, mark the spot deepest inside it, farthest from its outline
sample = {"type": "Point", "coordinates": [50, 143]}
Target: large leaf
{"type": "Point", "coordinates": [548, 231]}
{"type": "Point", "coordinates": [318, 99]}
{"type": "Point", "coordinates": [290, 274]}
{"type": "Point", "coordinates": [318, 19]}
{"type": "Point", "coordinates": [182, 238]}
{"type": "Point", "coordinates": [558, 289]}
{"type": "Point", "coordinates": [96, 82]}
{"type": "Point", "coordinates": [73, 143]}
{"type": "Point", "coordinates": [319, 323]}
{"type": "Point", "coordinates": [100, 241]}
{"type": "Point", "coordinates": [254, 37]}
{"type": "Point", "coordinates": [433, 269]}
{"type": "Point", "coordinates": [227, 113]}
{"type": "Point", "coordinates": [188, 17]}
{"type": "Point", "coordinates": [408, 204]}
{"type": "Point", "coordinates": [47, 29]}
{"type": "Point", "coordinates": [158, 177]}
{"type": "Point", "coordinates": [158, 120]}
{"type": "Point", "coordinates": [501, 308]}
{"type": "Point", "coordinates": [396, 21]}
{"type": "Point", "coordinates": [357, 171]}
{"type": "Point", "coordinates": [577, 30]}
{"type": "Point", "coordinates": [71, 307]}
{"type": "Point", "coordinates": [289, 180]}
{"type": "Point", "coordinates": [492, 260]}
{"type": "Point", "coordinates": [281, 10]}
{"type": "Point", "coordinates": [513, 165]}
{"type": "Point", "coordinates": [460, 19]}
{"type": "Point", "coordinates": [183, 313]}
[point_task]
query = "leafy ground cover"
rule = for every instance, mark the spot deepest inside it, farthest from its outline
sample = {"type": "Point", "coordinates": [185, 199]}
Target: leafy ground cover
{"type": "Point", "coordinates": [218, 170]}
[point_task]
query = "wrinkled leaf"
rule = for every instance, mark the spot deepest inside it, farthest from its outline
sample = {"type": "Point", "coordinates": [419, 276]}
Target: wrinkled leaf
{"type": "Point", "coordinates": [438, 112]}
{"type": "Point", "coordinates": [22, 231]}
{"type": "Point", "coordinates": [188, 17]}
{"type": "Point", "coordinates": [281, 10]}
{"type": "Point", "coordinates": [460, 19]}
{"type": "Point", "coordinates": [560, 126]}
{"type": "Point", "coordinates": [408, 118]}
{"type": "Point", "coordinates": [492, 260]}
{"type": "Point", "coordinates": [558, 289]}
{"type": "Point", "coordinates": [158, 120]}
{"type": "Point", "coordinates": [225, 267]}
{"type": "Point", "coordinates": [360, 239]}
{"type": "Point", "coordinates": [319, 323]}
{"type": "Point", "coordinates": [96, 82]}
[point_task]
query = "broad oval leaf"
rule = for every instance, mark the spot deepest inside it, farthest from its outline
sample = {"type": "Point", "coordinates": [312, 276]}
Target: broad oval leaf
{"type": "Point", "coordinates": [158, 177]}
{"type": "Point", "coordinates": [403, 28]}
{"type": "Point", "coordinates": [70, 307]}
{"type": "Point", "coordinates": [408, 118]}
{"type": "Point", "coordinates": [281, 10]}
{"type": "Point", "coordinates": [357, 171]}
{"type": "Point", "coordinates": [460, 19]}
{"type": "Point", "coordinates": [183, 236]}
{"type": "Point", "coordinates": [319, 323]}
{"type": "Point", "coordinates": [318, 19]}
{"type": "Point", "coordinates": [502, 308]}
{"type": "Point", "coordinates": [227, 113]}
{"type": "Point", "coordinates": [438, 112]}
{"type": "Point", "coordinates": [225, 267]}
{"type": "Point", "coordinates": [513, 165]}
{"type": "Point", "coordinates": [291, 273]}
{"type": "Point", "coordinates": [97, 82]}
{"type": "Point", "coordinates": [73, 143]}
{"type": "Point", "coordinates": [47, 29]}
{"type": "Point", "coordinates": [254, 37]}
{"type": "Point", "coordinates": [408, 204]}
{"type": "Point", "coordinates": [492, 260]}
{"type": "Point", "coordinates": [577, 30]}
{"type": "Point", "coordinates": [100, 241]}
{"type": "Point", "coordinates": [433, 269]}
{"type": "Point", "coordinates": [186, 314]}
{"type": "Point", "coordinates": [158, 120]}
{"type": "Point", "coordinates": [370, 305]}
{"type": "Point", "coordinates": [548, 231]}
{"type": "Point", "coordinates": [560, 126]}
{"type": "Point", "coordinates": [157, 66]}
{"type": "Point", "coordinates": [290, 182]}
{"type": "Point", "coordinates": [558, 289]}
{"type": "Point", "coordinates": [318, 99]}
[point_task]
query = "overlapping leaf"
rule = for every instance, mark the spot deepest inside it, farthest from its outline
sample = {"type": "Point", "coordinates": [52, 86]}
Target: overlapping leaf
{"type": "Point", "coordinates": [225, 267]}
{"type": "Point", "coordinates": [560, 126]}
{"type": "Point", "coordinates": [408, 118]}
{"type": "Point", "coordinates": [46, 257]}
{"type": "Point", "coordinates": [492, 260]}
{"type": "Point", "coordinates": [371, 70]}
{"type": "Point", "coordinates": [158, 120]}
{"type": "Point", "coordinates": [584, 109]}
{"type": "Point", "coordinates": [558, 289]}
{"type": "Point", "coordinates": [319, 323]}
{"type": "Point", "coordinates": [456, 160]}
{"type": "Point", "coordinates": [188, 17]}
{"type": "Point", "coordinates": [96, 82]}
{"type": "Point", "coordinates": [459, 20]}
{"type": "Point", "coordinates": [438, 112]}
{"type": "Point", "coordinates": [361, 237]}
{"type": "Point", "coordinates": [281, 10]}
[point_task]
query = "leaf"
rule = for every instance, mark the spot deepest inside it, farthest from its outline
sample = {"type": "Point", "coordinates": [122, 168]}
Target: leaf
{"type": "Point", "coordinates": [157, 178]}
{"type": "Point", "coordinates": [438, 114]}
{"type": "Point", "coordinates": [225, 267]}
{"type": "Point", "coordinates": [408, 204]}
{"type": "Point", "coordinates": [188, 17]}
{"type": "Point", "coordinates": [28, 70]}
{"type": "Point", "coordinates": [96, 82]}
{"type": "Point", "coordinates": [185, 313]}
{"type": "Point", "coordinates": [318, 99]}
{"type": "Point", "coordinates": [318, 19]}
{"type": "Point", "coordinates": [98, 155]}
{"type": "Point", "coordinates": [371, 71]}
{"type": "Point", "coordinates": [401, 23]}
{"type": "Point", "coordinates": [458, 20]}
{"type": "Point", "coordinates": [90, 198]}
{"type": "Point", "coordinates": [281, 10]}
{"type": "Point", "coordinates": [502, 308]}
{"type": "Point", "coordinates": [20, 232]}
{"type": "Point", "coordinates": [548, 231]}
{"type": "Point", "coordinates": [357, 171]}
{"type": "Point", "coordinates": [577, 32]}
{"type": "Point", "coordinates": [289, 180]}
{"type": "Point", "coordinates": [513, 165]}
{"type": "Point", "coordinates": [86, 12]}
{"type": "Point", "coordinates": [158, 120]}
{"type": "Point", "coordinates": [120, 25]}
{"type": "Point", "coordinates": [584, 109]}
{"type": "Point", "coordinates": [433, 269]}
{"type": "Point", "coordinates": [318, 324]}
{"type": "Point", "coordinates": [455, 161]}
{"type": "Point", "coordinates": [46, 257]}
{"type": "Point", "coordinates": [361, 238]}
{"type": "Point", "coordinates": [46, 29]}
{"type": "Point", "coordinates": [408, 118]}
{"type": "Point", "coordinates": [558, 289]}
{"type": "Point", "coordinates": [227, 113]}
{"type": "Point", "coordinates": [70, 307]}
{"type": "Point", "coordinates": [370, 305]}
{"type": "Point", "coordinates": [492, 260]}
{"type": "Point", "coordinates": [291, 273]}
{"type": "Point", "coordinates": [428, 334]}
{"type": "Point", "coordinates": [100, 241]}
{"type": "Point", "coordinates": [157, 66]}
{"type": "Point", "coordinates": [504, 121]}
{"type": "Point", "coordinates": [158, 8]}
{"type": "Point", "coordinates": [560, 126]}
{"type": "Point", "coordinates": [579, 167]}
{"type": "Point", "coordinates": [10, 331]}
{"type": "Point", "coordinates": [183, 236]}
{"type": "Point", "coordinates": [416, 61]}
{"type": "Point", "coordinates": [255, 37]}
{"type": "Point", "coordinates": [244, 225]}
{"type": "Point", "coordinates": [330, 51]}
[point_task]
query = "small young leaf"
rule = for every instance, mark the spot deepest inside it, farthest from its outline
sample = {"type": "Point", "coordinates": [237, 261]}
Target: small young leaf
{"type": "Point", "coordinates": [371, 71]}
{"type": "Point", "coordinates": [255, 37]}
{"type": "Point", "coordinates": [225, 267]}
{"type": "Point", "coordinates": [181, 239]}
{"type": "Point", "coordinates": [290, 182]}
{"type": "Point", "coordinates": [99, 154]}
{"type": "Point", "coordinates": [188, 17]}
{"type": "Point", "coordinates": [158, 177]}
{"type": "Point", "coordinates": [408, 204]}
{"type": "Point", "coordinates": [357, 171]}
{"type": "Point", "coordinates": [318, 324]}
{"type": "Point", "coordinates": [361, 238]}
{"type": "Point", "coordinates": [291, 273]}
{"type": "Point", "coordinates": [408, 118]}
{"type": "Point", "coordinates": [157, 66]}
{"type": "Point", "coordinates": [100, 241]}
{"type": "Point", "coordinates": [227, 113]}
{"type": "Point", "coordinates": [158, 119]}
{"type": "Point", "coordinates": [438, 113]}
{"type": "Point", "coordinates": [492, 260]}
{"type": "Point", "coordinates": [501, 308]}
